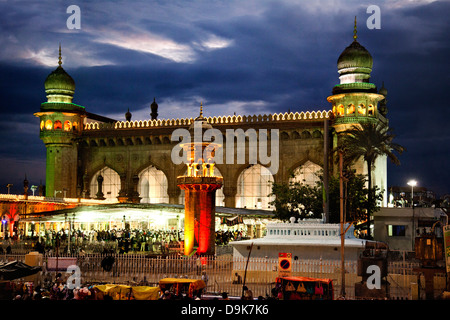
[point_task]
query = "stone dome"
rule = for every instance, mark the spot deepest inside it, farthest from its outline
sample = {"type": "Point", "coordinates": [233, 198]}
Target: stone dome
{"type": "Point", "coordinates": [59, 85]}
{"type": "Point", "coordinates": [59, 80]}
{"type": "Point", "coordinates": [355, 56]}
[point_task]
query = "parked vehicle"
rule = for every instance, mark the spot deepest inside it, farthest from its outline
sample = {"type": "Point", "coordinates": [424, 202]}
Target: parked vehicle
{"type": "Point", "coordinates": [304, 288]}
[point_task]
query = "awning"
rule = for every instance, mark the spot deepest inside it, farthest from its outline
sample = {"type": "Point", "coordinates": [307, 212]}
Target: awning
{"type": "Point", "coordinates": [133, 212]}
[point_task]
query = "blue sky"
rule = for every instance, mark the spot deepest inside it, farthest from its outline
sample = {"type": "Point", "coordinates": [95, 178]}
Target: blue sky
{"type": "Point", "coordinates": [248, 57]}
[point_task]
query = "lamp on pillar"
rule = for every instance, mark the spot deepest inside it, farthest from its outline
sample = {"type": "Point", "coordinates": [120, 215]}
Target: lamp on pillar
{"type": "Point", "coordinates": [200, 187]}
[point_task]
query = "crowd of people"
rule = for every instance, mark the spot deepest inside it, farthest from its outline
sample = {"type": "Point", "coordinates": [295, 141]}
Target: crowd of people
{"type": "Point", "coordinates": [114, 240]}
{"type": "Point", "coordinates": [224, 237]}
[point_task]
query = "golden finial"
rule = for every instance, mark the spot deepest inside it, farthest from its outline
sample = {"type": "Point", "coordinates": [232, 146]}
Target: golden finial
{"type": "Point", "coordinates": [354, 31]}
{"type": "Point", "coordinates": [201, 109]}
{"type": "Point", "coordinates": [60, 59]}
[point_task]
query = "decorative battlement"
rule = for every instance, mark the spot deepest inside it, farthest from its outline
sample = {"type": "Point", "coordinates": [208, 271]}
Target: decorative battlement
{"type": "Point", "coordinates": [307, 229]}
{"type": "Point", "coordinates": [291, 116]}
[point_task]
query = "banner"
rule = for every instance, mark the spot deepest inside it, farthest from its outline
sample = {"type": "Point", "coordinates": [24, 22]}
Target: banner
{"type": "Point", "coordinates": [447, 246]}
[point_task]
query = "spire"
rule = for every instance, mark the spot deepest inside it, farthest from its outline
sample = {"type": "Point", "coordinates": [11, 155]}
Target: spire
{"type": "Point", "coordinates": [154, 109]}
{"type": "Point", "coordinates": [59, 58]}
{"type": "Point", "coordinates": [354, 31]}
{"type": "Point", "coordinates": [201, 109]}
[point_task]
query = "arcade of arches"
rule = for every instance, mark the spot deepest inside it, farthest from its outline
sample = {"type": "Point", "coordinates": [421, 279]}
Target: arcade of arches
{"type": "Point", "coordinates": [254, 185]}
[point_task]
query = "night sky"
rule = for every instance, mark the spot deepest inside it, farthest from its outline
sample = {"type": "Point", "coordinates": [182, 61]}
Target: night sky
{"type": "Point", "coordinates": [248, 57]}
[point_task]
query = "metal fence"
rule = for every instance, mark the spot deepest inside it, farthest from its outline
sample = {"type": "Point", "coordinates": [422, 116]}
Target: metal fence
{"type": "Point", "coordinates": [224, 273]}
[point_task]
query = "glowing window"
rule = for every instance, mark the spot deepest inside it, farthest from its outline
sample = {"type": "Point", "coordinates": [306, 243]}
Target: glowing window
{"type": "Point", "coordinates": [350, 109]}
{"type": "Point", "coordinates": [48, 124]}
{"type": "Point", "coordinates": [361, 109]}
{"type": "Point", "coordinates": [67, 125]}
{"type": "Point", "coordinates": [396, 230]}
{"type": "Point", "coordinates": [42, 124]}
{"type": "Point", "coordinates": [58, 125]}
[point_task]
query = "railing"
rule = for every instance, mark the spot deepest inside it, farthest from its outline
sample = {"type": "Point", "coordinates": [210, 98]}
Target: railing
{"type": "Point", "coordinates": [221, 271]}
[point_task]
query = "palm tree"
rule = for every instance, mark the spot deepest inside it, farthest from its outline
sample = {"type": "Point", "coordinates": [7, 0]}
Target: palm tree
{"type": "Point", "coordinates": [369, 140]}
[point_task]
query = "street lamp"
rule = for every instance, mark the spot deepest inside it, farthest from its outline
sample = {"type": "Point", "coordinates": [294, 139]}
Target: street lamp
{"type": "Point", "coordinates": [413, 183]}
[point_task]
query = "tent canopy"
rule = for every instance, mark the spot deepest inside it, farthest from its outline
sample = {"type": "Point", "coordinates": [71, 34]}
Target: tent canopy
{"type": "Point", "coordinates": [16, 269]}
{"type": "Point", "coordinates": [196, 284]}
{"type": "Point", "coordinates": [120, 291]}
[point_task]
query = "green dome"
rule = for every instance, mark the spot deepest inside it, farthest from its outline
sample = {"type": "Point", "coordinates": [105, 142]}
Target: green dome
{"type": "Point", "coordinates": [355, 56]}
{"type": "Point", "coordinates": [59, 80]}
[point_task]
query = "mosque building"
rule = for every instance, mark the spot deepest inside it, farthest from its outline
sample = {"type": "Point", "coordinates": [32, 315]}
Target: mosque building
{"type": "Point", "coordinates": [90, 156]}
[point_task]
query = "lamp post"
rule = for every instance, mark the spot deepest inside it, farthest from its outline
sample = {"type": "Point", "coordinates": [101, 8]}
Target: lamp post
{"type": "Point", "coordinates": [413, 183]}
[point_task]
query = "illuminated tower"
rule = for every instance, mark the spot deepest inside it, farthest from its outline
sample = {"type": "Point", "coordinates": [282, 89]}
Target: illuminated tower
{"type": "Point", "coordinates": [61, 123]}
{"type": "Point", "coordinates": [355, 100]}
{"type": "Point", "coordinates": [200, 187]}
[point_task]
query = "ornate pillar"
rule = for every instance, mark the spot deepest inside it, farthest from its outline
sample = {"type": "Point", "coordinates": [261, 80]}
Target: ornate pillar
{"type": "Point", "coordinates": [200, 213]}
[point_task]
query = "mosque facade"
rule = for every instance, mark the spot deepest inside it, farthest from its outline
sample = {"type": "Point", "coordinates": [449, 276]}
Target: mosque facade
{"type": "Point", "coordinates": [94, 157]}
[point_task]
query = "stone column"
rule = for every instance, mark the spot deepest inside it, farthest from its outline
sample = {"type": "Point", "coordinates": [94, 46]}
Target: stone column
{"type": "Point", "coordinates": [174, 194]}
{"type": "Point", "coordinates": [133, 195]}
{"type": "Point", "coordinates": [230, 196]}
{"type": "Point", "coordinates": [123, 193]}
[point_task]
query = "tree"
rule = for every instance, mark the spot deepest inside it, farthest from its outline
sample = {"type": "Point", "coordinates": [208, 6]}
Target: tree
{"type": "Point", "coordinates": [295, 199]}
{"type": "Point", "coordinates": [356, 200]}
{"type": "Point", "coordinates": [369, 140]}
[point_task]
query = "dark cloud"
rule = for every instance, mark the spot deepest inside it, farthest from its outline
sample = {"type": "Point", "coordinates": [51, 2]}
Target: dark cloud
{"type": "Point", "coordinates": [249, 57]}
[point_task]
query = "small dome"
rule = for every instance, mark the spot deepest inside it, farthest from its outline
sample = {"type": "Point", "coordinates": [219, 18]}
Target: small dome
{"type": "Point", "coordinates": [59, 79]}
{"type": "Point", "coordinates": [355, 56]}
{"type": "Point", "coordinates": [59, 86]}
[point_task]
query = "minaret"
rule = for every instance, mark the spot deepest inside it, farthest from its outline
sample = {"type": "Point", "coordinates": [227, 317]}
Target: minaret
{"type": "Point", "coordinates": [61, 124]}
{"type": "Point", "coordinates": [355, 100]}
{"type": "Point", "coordinates": [200, 187]}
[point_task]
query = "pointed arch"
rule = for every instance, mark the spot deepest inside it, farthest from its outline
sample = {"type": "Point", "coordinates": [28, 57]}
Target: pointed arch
{"type": "Point", "coordinates": [153, 185]}
{"type": "Point", "coordinates": [254, 186]}
{"type": "Point", "coordinates": [110, 185]}
{"type": "Point", "coordinates": [307, 173]}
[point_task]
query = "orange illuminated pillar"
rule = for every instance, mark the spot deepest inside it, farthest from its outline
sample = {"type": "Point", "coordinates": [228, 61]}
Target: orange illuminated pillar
{"type": "Point", "coordinates": [200, 187]}
{"type": "Point", "coordinates": [200, 213]}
